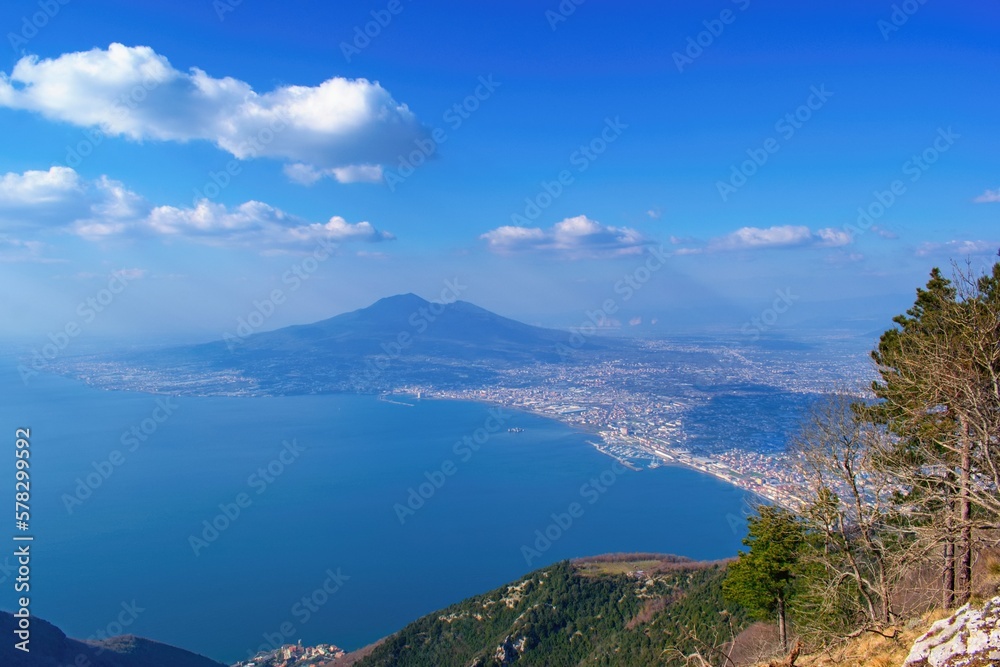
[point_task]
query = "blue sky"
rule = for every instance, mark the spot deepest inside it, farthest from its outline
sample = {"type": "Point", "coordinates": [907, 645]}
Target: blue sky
{"type": "Point", "coordinates": [737, 139]}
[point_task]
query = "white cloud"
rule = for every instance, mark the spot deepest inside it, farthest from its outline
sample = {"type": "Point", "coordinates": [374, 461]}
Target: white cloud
{"type": "Point", "coordinates": [40, 197]}
{"type": "Point", "coordinates": [834, 238]}
{"type": "Point", "coordinates": [358, 173]}
{"type": "Point", "coordinates": [341, 128]}
{"type": "Point", "coordinates": [38, 187]}
{"type": "Point", "coordinates": [574, 238]}
{"type": "Point", "coordinates": [757, 237]}
{"type": "Point", "coordinates": [959, 248]}
{"type": "Point", "coordinates": [778, 236]}
{"type": "Point", "coordinates": [305, 174]}
{"type": "Point", "coordinates": [104, 209]}
{"type": "Point", "coordinates": [988, 197]}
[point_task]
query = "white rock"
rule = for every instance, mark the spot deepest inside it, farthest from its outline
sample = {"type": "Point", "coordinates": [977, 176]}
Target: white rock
{"type": "Point", "coordinates": [968, 638]}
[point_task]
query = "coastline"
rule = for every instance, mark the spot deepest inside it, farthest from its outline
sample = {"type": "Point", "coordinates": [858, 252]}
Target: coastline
{"type": "Point", "coordinates": [630, 450]}
{"type": "Point", "coordinates": [660, 454]}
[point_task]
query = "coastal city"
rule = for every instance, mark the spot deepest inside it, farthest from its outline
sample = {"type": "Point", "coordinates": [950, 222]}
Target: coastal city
{"type": "Point", "coordinates": [671, 408]}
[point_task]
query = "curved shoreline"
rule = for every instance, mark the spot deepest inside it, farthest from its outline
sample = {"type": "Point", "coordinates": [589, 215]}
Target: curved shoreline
{"type": "Point", "coordinates": [663, 456]}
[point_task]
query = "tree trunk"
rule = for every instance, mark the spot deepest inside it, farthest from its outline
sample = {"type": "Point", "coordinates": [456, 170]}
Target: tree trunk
{"type": "Point", "coordinates": [948, 575]}
{"type": "Point", "coordinates": [964, 591]}
{"type": "Point", "coordinates": [885, 594]}
{"type": "Point", "coordinates": [964, 587]}
{"type": "Point", "coordinates": [782, 627]}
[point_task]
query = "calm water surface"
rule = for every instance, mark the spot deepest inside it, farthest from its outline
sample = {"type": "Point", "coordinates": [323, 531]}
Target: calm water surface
{"type": "Point", "coordinates": [328, 507]}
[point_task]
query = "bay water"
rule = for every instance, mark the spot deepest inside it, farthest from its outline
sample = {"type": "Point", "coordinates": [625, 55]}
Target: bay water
{"type": "Point", "coordinates": [222, 525]}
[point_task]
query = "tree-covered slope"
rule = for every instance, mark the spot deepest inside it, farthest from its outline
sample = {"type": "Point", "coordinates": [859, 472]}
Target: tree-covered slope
{"type": "Point", "coordinates": [634, 610]}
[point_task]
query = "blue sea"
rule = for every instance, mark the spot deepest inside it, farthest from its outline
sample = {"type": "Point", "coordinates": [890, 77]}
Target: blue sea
{"type": "Point", "coordinates": [355, 515]}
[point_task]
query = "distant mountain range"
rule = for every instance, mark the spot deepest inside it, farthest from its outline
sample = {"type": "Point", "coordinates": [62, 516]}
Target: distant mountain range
{"type": "Point", "coordinates": [398, 340]}
{"type": "Point", "coordinates": [50, 647]}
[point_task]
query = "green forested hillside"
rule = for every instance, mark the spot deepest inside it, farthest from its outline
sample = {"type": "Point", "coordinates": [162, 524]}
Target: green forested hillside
{"type": "Point", "coordinates": [637, 610]}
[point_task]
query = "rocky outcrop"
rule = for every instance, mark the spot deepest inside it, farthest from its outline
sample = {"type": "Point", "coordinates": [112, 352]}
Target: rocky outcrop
{"type": "Point", "coordinates": [968, 638]}
{"type": "Point", "coordinates": [509, 651]}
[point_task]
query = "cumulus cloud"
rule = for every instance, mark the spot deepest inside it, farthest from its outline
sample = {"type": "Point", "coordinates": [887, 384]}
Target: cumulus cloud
{"type": "Point", "coordinates": [576, 237]}
{"type": "Point", "coordinates": [104, 208]}
{"type": "Point", "coordinates": [342, 128]}
{"type": "Point", "coordinates": [37, 187]}
{"type": "Point", "coordinates": [757, 237]}
{"type": "Point", "coordinates": [778, 236]}
{"type": "Point", "coordinates": [988, 197]}
{"type": "Point", "coordinates": [959, 248]}
{"type": "Point", "coordinates": [833, 238]}
{"type": "Point", "coordinates": [40, 196]}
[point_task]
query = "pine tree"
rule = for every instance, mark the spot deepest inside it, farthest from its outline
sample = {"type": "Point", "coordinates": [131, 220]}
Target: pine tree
{"type": "Point", "coordinates": [940, 395]}
{"type": "Point", "coordinates": [762, 579]}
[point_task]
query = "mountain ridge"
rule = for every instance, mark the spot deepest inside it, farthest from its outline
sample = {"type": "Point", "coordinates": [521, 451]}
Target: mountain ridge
{"type": "Point", "coordinates": [400, 340]}
{"type": "Point", "coordinates": [50, 647]}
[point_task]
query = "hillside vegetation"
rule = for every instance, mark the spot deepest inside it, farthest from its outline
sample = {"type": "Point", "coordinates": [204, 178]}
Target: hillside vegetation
{"type": "Point", "coordinates": [608, 611]}
{"type": "Point", "coordinates": [898, 513]}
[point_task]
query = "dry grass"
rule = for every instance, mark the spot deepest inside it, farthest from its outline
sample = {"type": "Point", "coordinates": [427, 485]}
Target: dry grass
{"type": "Point", "coordinates": [620, 567]}
{"type": "Point", "coordinates": [650, 563]}
{"type": "Point", "coordinates": [987, 574]}
{"type": "Point", "coordinates": [872, 650]}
